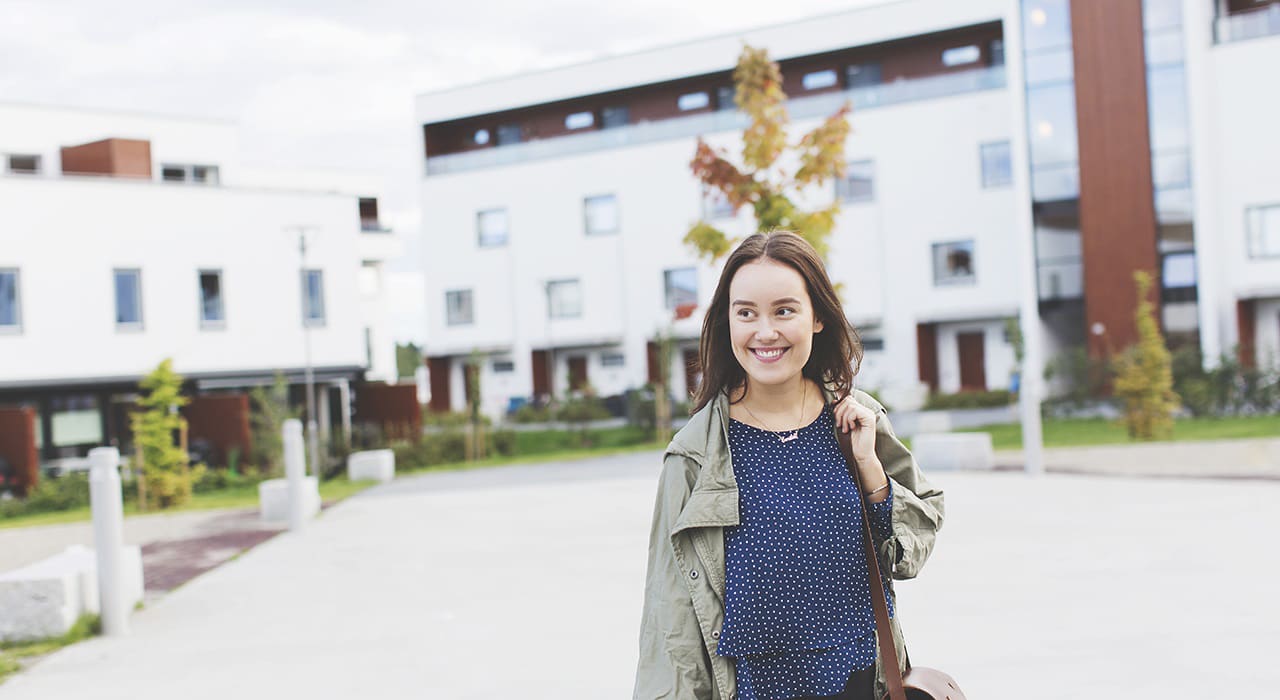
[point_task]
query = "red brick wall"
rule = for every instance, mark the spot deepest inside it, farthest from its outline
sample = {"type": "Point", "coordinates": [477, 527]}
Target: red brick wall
{"type": "Point", "coordinates": [392, 407]}
{"type": "Point", "coordinates": [120, 157]}
{"type": "Point", "coordinates": [223, 420]}
{"type": "Point", "coordinates": [18, 445]}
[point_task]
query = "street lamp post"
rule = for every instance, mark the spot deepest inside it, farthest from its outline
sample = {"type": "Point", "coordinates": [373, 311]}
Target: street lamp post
{"type": "Point", "coordinates": [313, 435]}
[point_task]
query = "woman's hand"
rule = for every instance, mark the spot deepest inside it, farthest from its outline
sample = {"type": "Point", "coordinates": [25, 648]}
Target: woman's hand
{"type": "Point", "coordinates": [860, 422]}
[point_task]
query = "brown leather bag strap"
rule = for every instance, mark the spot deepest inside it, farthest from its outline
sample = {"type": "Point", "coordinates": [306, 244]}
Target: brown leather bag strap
{"type": "Point", "coordinates": [884, 633]}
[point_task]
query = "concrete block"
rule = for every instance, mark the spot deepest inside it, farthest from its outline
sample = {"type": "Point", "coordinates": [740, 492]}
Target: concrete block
{"type": "Point", "coordinates": [273, 499]}
{"type": "Point", "coordinates": [376, 465]}
{"type": "Point", "coordinates": [44, 599]}
{"type": "Point", "coordinates": [950, 451]}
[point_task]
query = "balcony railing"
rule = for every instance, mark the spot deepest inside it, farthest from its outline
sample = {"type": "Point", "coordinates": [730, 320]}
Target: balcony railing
{"type": "Point", "coordinates": [869, 97]}
{"type": "Point", "coordinates": [1251, 24]}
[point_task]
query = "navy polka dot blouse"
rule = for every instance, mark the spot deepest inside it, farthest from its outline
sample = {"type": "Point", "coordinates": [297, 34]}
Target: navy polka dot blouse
{"type": "Point", "coordinates": [798, 618]}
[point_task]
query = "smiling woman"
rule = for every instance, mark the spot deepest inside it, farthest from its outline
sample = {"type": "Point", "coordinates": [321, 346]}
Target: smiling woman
{"type": "Point", "coordinates": [757, 494]}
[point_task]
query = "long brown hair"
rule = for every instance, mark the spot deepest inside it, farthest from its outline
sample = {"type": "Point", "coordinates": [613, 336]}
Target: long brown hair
{"type": "Point", "coordinates": [837, 351]}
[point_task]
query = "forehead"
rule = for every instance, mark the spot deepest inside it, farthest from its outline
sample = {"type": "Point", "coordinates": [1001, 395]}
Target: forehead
{"type": "Point", "coordinates": [764, 280]}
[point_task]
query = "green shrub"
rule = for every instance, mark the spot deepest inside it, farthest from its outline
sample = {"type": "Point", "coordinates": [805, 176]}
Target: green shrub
{"type": "Point", "coordinates": [1144, 376]}
{"type": "Point", "coordinates": [582, 410]}
{"type": "Point", "coordinates": [51, 495]}
{"type": "Point", "coordinates": [529, 413]}
{"type": "Point", "coordinates": [222, 479]}
{"type": "Point", "coordinates": [968, 399]}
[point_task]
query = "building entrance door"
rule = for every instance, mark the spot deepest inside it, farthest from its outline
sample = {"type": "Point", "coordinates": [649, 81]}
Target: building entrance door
{"type": "Point", "coordinates": [973, 373]}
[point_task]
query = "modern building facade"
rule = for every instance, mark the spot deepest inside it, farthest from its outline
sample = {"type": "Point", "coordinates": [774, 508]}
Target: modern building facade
{"type": "Point", "coordinates": [560, 197]}
{"type": "Point", "coordinates": [128, 239]}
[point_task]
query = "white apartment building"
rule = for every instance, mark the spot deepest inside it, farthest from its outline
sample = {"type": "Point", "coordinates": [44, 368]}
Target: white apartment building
{"type": "Point", "coordinates": [129, 238]}
{"type": "Point", "coordinates": [559, 198]}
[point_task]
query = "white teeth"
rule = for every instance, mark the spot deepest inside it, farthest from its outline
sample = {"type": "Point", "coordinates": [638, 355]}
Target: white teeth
{"type": "Point", "coordinates": [769, 354]}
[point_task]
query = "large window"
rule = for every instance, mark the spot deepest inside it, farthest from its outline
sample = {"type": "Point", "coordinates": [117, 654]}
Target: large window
{"type": "Point", "coordinates": [614, 117]}
{"type": "Point", "coordinates": [1263, 225]}
{"type": "Point", "coordinates": [128, 299]}
{"type": "Point", "coordinates": [10, 302]}
{"type": "Point", "coordinates": [858, 183]}
{"type": "Point", "coordinates": [313, 297]}
{"type": "Point", "coordinates": [564, 299]}
{"type": "Point", "coordinates": [601, 214]}
{"type": "Point", "coordinates": [491, 227]}
{"type": "Point", "coordinates": [680, 287]}
{"type": "Point", "coordinates": [212, 310]}
{"type": "Point", "coordinates": [459, 310]}
{"type": "Point", "coordinates": [996, 170]}
{"type": "Point", "coordinates": [953, 263]}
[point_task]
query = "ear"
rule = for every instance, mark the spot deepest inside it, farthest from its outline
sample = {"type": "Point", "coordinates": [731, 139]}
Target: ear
{"type": "Point", "coordinates": [817, 326]}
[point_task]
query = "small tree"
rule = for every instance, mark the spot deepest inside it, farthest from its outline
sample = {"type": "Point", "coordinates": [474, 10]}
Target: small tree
{"type": "Point", "coordinates": [475, 428]}
{"type": "Point", "coordinates": [165, 469]}
{"type": "Point", "coordinates": [1144, 375]}
{"type": "Point", "coordinates": [270, 410]}
{"type": "Point", "coordinates": [762, 183]}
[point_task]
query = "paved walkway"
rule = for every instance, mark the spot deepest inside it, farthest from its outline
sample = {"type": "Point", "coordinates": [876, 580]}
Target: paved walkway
{"type": "Point", "coordinates": [1204, 459]}
{"type": "Point", "coordinates": [526, 582]}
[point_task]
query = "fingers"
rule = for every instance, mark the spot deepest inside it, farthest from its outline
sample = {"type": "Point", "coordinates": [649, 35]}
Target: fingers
{"type": "Point", "coordinates": [850, 414]}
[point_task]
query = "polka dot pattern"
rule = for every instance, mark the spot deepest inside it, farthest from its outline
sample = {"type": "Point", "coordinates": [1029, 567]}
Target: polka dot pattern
{"type": "Point", "coordinates": [798, 617]}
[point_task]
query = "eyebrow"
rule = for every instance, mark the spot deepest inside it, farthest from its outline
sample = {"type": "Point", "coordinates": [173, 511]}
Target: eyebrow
{"type": "Point", "coordinates": [779, 302]}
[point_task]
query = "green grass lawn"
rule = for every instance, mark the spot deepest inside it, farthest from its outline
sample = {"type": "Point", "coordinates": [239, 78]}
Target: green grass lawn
{"type": "Point", "coordinates": [1099, 431]}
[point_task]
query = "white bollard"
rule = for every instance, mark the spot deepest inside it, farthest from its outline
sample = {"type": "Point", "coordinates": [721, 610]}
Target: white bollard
{"type": "Point", "coordinates": [295, 470]}
{"type": "Point", "coordinates": [108, 538]}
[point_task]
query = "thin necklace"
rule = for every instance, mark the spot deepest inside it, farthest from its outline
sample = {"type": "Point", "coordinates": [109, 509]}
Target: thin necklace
{"type": "Point", "coordinates": [779, 433]}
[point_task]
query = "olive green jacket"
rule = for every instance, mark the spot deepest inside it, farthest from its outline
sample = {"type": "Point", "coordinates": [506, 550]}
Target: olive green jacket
{"type": "Point", "coordinates": [684, 586]}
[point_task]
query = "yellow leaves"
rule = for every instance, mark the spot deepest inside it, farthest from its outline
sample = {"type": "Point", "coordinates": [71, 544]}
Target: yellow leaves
{"type": "Point", "coordinates": [1144, 373]}
{"type": "Point", "coordinates": [822, 150]}
{"type": "Point", "coordinates": [709, 241]}
{"type": "Point", "coordinates": [759, 94]}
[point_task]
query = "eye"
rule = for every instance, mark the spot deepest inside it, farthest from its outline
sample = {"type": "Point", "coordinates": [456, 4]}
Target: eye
{"type": "Point", "coordinates": [787, 311]}
{"type": "Point", "coordinates": [745, 313]}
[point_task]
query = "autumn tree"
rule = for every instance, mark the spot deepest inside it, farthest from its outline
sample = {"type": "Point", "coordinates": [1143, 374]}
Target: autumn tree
{"type": "Point", "coordinates": [1144, 373]}
{"type": "Point", "coordinates": [167, 476]}
{"type": "Point", "coordinates": [762, 180]}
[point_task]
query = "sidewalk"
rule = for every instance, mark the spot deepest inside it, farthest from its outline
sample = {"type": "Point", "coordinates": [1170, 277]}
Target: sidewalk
{"type": "Point", "coordinates": [1209, 459]}
{"type": "Point", "coordinates": [527, 582]}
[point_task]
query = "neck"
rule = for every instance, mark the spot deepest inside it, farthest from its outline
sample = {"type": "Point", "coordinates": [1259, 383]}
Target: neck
{"type": "Point", "coordinates": [787, 398]}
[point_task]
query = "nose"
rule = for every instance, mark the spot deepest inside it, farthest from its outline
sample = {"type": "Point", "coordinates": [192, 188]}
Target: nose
{"type": "Point", "coordinates": [767, 332]}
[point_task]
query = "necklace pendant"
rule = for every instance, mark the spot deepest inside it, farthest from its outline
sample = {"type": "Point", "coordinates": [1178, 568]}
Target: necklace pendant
{"type": "Point", "coordinates": [789, 438]}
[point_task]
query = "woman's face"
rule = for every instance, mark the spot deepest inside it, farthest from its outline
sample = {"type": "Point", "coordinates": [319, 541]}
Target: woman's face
{"type": "Point", "coordinates": [771, 321]}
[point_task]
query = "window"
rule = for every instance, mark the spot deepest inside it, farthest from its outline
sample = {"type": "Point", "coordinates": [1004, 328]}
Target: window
{"type": "Point", "coordinates": [725, 95]}
{"type": "Point", "coordinates": [579, 120]}
{"type": "Point", "coordinates": [680, 287]}
{"type": "Point", "coordinates": [313, 297]}
{"type": "Point", "coordinates": [862, 75]}
{"type": "Point", "coordinates": [491, 227]}
{"type": "Point", "coordinates": [715, 204]}
{"type": "Point", "coordinates": [212, 313]}
{"type": "Point", "coordinates": [509, 134]}
{"type": "Point", "coordinates": [858, 183]}
{"type": "Point", "coordinates": [614, 117]}
{"type": "Point", "coordinates": [368, 347]}
{"type": "Point", "coordinates": [369, 220]}
{"type": "Point", "coordinates": [819, 79]}
{"type": "Point", "coordinates": [601, 214]}
{"type": "Point", "coordinates": [481, 137]}
{"type": "Point", "coordinates": [872, 344]}
{"type": "Point", "coordinates": [613, 359]}
{"type": "Point", "coordinates": [961, 55]}
{"type": "Point", "coordinates": [19, 164]}
{"type": "Point", "coordinates": [503, 366]}
{"type": "Point", "coordinates": [564, 299]}
{"type": "Point", "coordinates": [996, 168]}
{"type": "Point", "coordinates": [1178, 277]}
{"type": "Point", "coordinates": [1263, 226]}
{"type": "Point", "coordinates": [199, 174]}
{"type": "Point", "coordinates": [694, 100]}
{"type": "Point", "coordinates": [128, 298]}
{"type": "Point", "coordinates": [10, 302]}
{"type": "Point", "coordinates": [459, 309]}
{"type": "Point", "coordinates": [996, 49]}
{"type": "Point", "coordinates": [953, 263]}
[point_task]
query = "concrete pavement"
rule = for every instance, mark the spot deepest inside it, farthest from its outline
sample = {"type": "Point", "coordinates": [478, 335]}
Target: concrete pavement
{"type": "Point", "coordinates": [526, 582]}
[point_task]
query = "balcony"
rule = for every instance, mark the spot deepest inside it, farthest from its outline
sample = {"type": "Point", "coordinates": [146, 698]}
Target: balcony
{"type": "Point", "coordinates": [1250, 24]}
{"type": "Point", "coordinates": [818, 106]}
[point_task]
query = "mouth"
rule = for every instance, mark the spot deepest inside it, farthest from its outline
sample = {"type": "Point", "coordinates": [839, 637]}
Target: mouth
{"type": "Point", "coordinates": [768, 355]}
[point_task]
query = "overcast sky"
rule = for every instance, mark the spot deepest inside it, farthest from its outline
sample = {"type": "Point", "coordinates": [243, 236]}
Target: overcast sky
{"type": "Point", "coordinates": [328, 84]}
